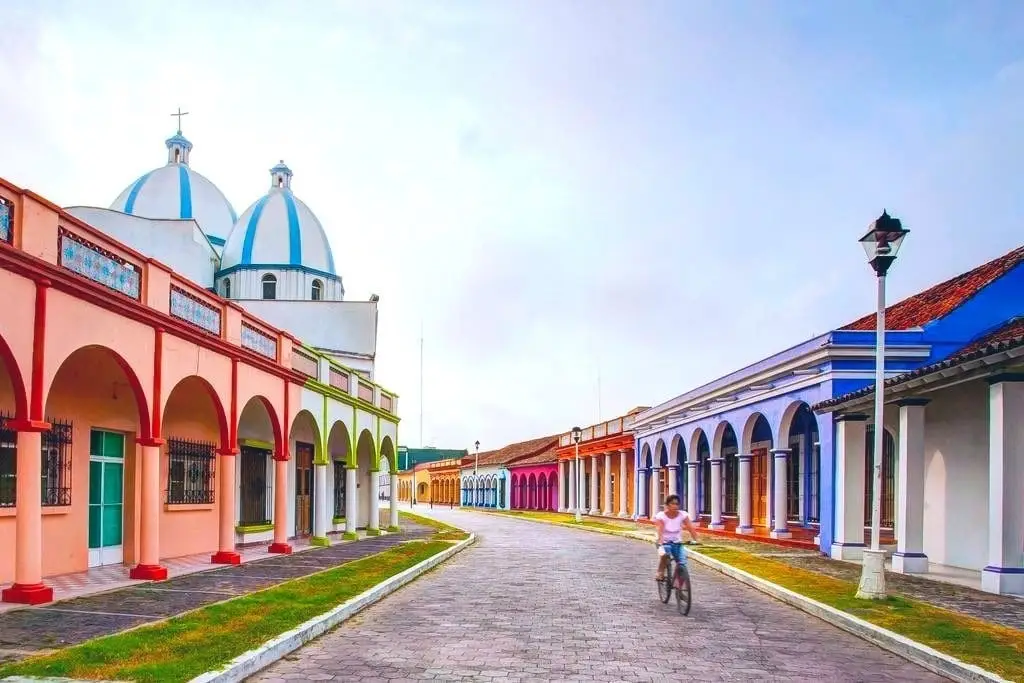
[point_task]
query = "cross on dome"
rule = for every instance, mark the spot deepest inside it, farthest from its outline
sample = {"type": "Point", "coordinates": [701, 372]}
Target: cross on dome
{"type": "Point", "coordinates": [179, 114]}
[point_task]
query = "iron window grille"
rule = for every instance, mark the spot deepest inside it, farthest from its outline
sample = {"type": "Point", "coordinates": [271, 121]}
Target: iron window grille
{"type": "Point", "coordinates": [254, 487]}
{"type": "Point", "coordinates": [56, 465]}
{"type": "Point", "coordinates": [8, 463]}
{"type": "Point", "coordinates": [888, 478]}
{"type": "Point", "coordinates": [191, 470]}
{"type": "Point", "coordinates": [339, 488]}
{"type": "Point", "coordinates": [730, 468]}
{"type": "Point", "coordinates": [793, 482]}
{"type": "Point", "coordinates": [814, 485]}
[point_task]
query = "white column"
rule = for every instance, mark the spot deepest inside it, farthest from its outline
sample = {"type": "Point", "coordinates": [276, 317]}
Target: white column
{"type": "Point", "coordinates": [851, 435]}
{"type": "Point", "coordinates": [655, 496]}
{"type": "Point", "coordinates": [608, 512]}
{"type": "Point", "coordinates": [1005, 570]}
{"type": "Point", "coordinates": [393, 518]}
{"type": "Point", "coordinates": [320, 503]}
{"type": "Point", "coordinates": [595, 505]}
{"type": "Point", "coordinates": [673, 484]}
{"type": "Point", "coordinates": [623, 490]}
{"type": "Point", "coordinates": [691, 490]}
{"type": "Point", "coordinates": [641, 489]}
{"type": "Point", "coordinates": [909, 556]}
{"type": "Point", "coordinates": [351, 502]}
{"type": "Point", "coordinates": [781, 527]}
{"type": "Point", "coordinates": [372, 491]}
{"type": "Point", "coordinates": [743, 504]}
{"type": "Point", "coordinates": [572, 485]}
{"type": "Point", "coordinates": [716, 493]}
{"type": "Point", "coordinates": [562, 479]}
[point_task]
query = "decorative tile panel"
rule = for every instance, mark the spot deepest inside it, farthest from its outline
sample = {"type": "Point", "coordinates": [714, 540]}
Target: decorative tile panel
{"type": "Point", "coordinates": [600, 430]}
{"type": "Point", "coordinates": [194, 310]}
{"type": "Point", "coordinates": [366, 392]}
{"type": "Point", "coordinates": [339, 380]}
{"type": "Point", "coordinates": [6, 220]}
{"type": "Point", "coordinates": [81, 256]}
{"type": "Point", "coordinates": [305, 364]}
{"type": "Point", "coordinates": [258, 341]}
{"type": "Point", "coordinates": [588, 434]}
{"type": "Point", "coordinates": [615, 426]}
{"type": "Point", "coordinates": [386, 402]}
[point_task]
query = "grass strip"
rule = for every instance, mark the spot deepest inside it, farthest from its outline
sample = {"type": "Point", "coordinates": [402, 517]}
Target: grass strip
{"type": "Point", "coordinates": [993, 647]}
{"type": "Point", "coordinates": [202, 640]}
{"type": "Point", "coordinates": [443, 532]}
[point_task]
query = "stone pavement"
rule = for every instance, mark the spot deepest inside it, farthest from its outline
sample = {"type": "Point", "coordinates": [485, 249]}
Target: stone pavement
{"type": "Point", "coordinates": [24, 632]}
{"type": "Point", "coordinates": [546, 603]}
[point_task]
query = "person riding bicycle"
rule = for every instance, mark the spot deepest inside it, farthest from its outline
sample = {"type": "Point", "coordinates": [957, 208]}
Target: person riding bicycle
{"type": "Point", "coordinates": [669, 523]}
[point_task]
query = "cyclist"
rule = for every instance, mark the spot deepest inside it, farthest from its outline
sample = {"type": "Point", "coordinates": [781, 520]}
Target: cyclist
{"type": "Point", "coordinates": [669, 523]}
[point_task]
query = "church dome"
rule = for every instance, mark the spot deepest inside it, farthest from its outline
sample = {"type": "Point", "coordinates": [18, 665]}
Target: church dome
{"type": "Point", "coordinates": [279, 230]}
{"type": "Point", "coordinates": [177, 191]}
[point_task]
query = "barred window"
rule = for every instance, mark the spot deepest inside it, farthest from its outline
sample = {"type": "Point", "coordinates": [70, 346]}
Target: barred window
{"type": "Point", "coordinates": [56, 465]}
{"type": "Point", "coordinates": [191, 467]}
{"type": "Point", "coordinates": [339, 488]}
{"type": "Point", "coordinates": [8, 463]}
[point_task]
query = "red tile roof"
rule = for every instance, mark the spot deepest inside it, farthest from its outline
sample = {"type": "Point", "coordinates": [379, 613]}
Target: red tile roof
{"type": "Point", "coordinates": [516, 451]}
{"type": "Point", "coordinates": [943, 298]}
{"type": "Point", "coordinates": [548, 456]}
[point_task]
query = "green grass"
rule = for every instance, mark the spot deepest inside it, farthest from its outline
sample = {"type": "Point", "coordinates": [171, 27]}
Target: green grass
{"type": "Point", "coordinates": [183, 647]}
{"type": "Point", "coordinates": [992, 647]}
{"type": "Point", "coordinates": [443, 532]}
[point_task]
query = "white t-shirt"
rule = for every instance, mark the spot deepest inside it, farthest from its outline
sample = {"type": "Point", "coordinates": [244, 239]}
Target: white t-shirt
{"type": "Point", "coordinates": [673, 529]}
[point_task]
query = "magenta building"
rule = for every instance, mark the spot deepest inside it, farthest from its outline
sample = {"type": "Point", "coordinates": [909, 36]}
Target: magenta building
{"type": "Point", "coordinates": [534, 482]}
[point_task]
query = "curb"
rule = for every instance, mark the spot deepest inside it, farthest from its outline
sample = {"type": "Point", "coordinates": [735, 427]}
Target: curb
{"type": "Point", "coordinates": [922, 655]}
{"type": "Point", "coordinates": [248, 663]}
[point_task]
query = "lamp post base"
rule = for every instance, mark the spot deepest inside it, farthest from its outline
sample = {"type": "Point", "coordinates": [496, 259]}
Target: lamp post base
{"type": "Point", "coordinates": [872, 577]}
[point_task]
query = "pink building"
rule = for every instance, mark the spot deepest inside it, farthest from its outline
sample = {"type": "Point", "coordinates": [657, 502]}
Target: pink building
{"type": "Point", "coordinates": [534, 482]}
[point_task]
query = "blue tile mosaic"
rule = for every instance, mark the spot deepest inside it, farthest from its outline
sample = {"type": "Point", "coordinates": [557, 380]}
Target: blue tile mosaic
{"type": "Point", "coordinates": [192, 310]}
{"type": "Point", "coordinates": [257, 341]}
{"type": "Point", "coordinates": [6, 220]}
{"type": "Point", "coordinates": [79, 256]}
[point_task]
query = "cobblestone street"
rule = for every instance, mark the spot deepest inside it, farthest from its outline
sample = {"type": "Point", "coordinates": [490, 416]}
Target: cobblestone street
{"type": "Point", "coordinates": [543, 603]}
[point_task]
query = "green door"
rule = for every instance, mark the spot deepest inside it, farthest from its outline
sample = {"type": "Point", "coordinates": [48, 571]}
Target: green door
{"type": "Point", "coordinates": [106, 498]}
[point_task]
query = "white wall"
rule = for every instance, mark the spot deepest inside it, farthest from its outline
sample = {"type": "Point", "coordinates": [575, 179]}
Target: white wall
{"type": "Point", "coordinates": [292, 284]}
{"type": "Point", "coordinates": [344, 326]}
{"type": "Point", "coordinates": [179, 243]}
{"type": "Point", "coordinates": [956, 476]}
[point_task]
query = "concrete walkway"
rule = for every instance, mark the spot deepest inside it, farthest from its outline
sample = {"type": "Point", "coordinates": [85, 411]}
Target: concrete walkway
{"type": "Point", "coordinates": [546, 603]}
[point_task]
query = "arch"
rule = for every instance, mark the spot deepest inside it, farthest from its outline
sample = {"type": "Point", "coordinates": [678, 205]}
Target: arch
{"type": "Point", "coordinates": [268, 284]}
{"type": "Point", "coordinates": [422, 488]}
{"type": "Point", "coordinates": [274, 423]}
{"type": "Point", "coordinates": [531, 501]}
{"type": "Point", "coordinates": [513, 497]}
{"type": "Point", "coordinates": [723, 430]}
{"type": "Point", "coordinates": [552, 491]}
{"type": "Point", "coordinates": [316, 290]}
{"type": "Point", "coordinates": [339, 443]}
{"type": "Point", "coordinates": [17, 382]}
{"type": "Point", "coordinates": [702, 451]}
{"type": "Point", "coordinates": [226, 292]}
{"type": "Point", "coordinates": [676, 449]}
{"type": "Point", "coordinates": [95, 357]}
{"type": "Point", "coordinates": [305, 421]}
{"type": "Point", "coordinates": [203, 385]}
{"type": "Point", "coordinates": [387, 453]}
{"type": "Point", "coordinates": [695, 439]}
{"type": "Point", "coordinates": [542, 492]}
{"type": "Point", "coordinates": [755, 430]}
{"type": "Point", "coordinates": [366, 453]}
{"type": "Point", "coordinates": [788, 415]}
{"type": "Point", "coordinates": [524, 494]}
{"type": "Point", "coordinates": [645, 456]}
{"type": "Point", "coordinates": [661, 453]}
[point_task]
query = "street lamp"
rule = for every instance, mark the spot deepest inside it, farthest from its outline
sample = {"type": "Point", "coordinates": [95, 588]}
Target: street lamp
{"type": "Point", "coordinates": [577, 433]}
{"type": "Point", "coordinates": [881, 243]}
{"type": "Point", "coordinates": [476, 467]}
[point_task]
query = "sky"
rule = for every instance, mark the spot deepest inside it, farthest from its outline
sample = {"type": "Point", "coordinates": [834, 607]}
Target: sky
{"type": "Point", "coordinates": [584, 205]}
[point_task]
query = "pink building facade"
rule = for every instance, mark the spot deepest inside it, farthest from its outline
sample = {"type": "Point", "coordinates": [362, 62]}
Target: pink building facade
{"type": "Point", "coordinates": [533, 483]}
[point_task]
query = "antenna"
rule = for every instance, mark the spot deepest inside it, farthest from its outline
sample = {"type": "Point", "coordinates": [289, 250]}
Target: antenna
{"type": "Point", "coordinates": [421, 383]}
{"type": "Point", "coordinates": [599, 418]}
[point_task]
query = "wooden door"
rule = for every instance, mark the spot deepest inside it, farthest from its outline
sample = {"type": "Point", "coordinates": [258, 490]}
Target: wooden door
{"type": "Point", "coordinates": [303, 489]}
{"type": "Point", "coordinates": [759, 487]}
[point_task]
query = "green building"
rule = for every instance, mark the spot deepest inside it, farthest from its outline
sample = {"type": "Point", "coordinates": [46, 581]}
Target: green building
{"type": "Point", "coordinates": [410, 457]}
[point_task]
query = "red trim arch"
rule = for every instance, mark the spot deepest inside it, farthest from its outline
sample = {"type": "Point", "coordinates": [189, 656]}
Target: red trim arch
{"type": "Point", "coordinates": [222, 418]}
{"type": "Point", "coordinates": [275, 423]}
{"type": "Point", "coordinates": [17, 382]}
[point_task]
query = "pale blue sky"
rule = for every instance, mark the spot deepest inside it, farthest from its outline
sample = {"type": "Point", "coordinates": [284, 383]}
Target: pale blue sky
{"type": "Point", "coordinates": [667, 190]}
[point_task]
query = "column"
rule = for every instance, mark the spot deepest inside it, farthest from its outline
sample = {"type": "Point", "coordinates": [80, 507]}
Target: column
{"type": "Point", "coordinates": [562, 479]}
{"type": "Point", "coordinates": [280, 544]}
{"type": "Point", "coordinates": [746, 524]}
{"type": "Point", "coordinates": [320, 505]}
{"type": "Point", "coordinates": [909, 556]}
{"type": "Point", "coordinates": [1004, 572]}
{"type": "Point", "coordinates": [851, 435]}
{"type": "Point", "coordinates": [623, 490]}
{"type": "Point", "coordinates": [572, 486]}
{"type": "Point", "coordinates": [351, 503]}
{"type": "Point", "coordinates": [149, 534]}
{"type": "Point", "coordinates": [373, 524]}
{"type": "Point", "coordinates": [654, 495]}
{"type": "Point", "coordinates": [641, 490]}
{"type": "Point", "coordinates": [780, 529]}
{"type": "Point", "coordinates": [716, 493]}
{"type": "Point", "coordinates": [595, 506]}
{"type": "Point", "coordinates": [673, 483]}
{"type": "Point", "coordinates": [226, 538]}
{"type": "Point", "coordinates": [691, 490]}
{"type": "Point", "coordinates": [607, 507]}
{"type": "Point", "coordinates": [393, 518]}
{"type": "Point", "coordinates": [28, 585]}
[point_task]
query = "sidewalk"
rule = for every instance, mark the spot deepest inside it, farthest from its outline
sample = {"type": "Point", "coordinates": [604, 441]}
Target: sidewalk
{"type": "Point", "coordinates": [28, 631]}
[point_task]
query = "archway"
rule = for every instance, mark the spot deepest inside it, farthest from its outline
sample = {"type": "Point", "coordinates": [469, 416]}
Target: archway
{"type": "Point", "coordinates": [514, 497]}
{"type": "Point", "coordinates": [643, 483]}
{"type": "Point", "coordinates": [98, 408]}
{"type": "Point", "coordinates": [339, 454]}
{"type": "Point", "coordinates": [799, 433]}
{"type": "Point", "coordinates": [542, 492]}
{"type": "Point", "coordinates": [703, 474]}
{"type": "Point", "coordinates": [258, 431]}
{"type": "Point", "coordinates": [366, 480]}
{"type": "Point", "coordinates": [524, 492]}
{"type": "Point", "coordinates": [552, 491]}
{"type": "Point", "coordinates": [678, 454]}
{"type": "Point", "coordinates": [726, 447]}
{"type": "Point", "coordinates": [888, 511]}
{"type": "Point", "coordinates": [13, 404]}
{"type": "Point", "coordinates": [758, 441]}
{"type": "Point", "coordinates": [304, 444]}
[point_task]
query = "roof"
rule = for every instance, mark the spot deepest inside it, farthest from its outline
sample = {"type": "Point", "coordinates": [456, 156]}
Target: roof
{"type": "Point", "coordinates": [516, 451]}
{"type": "Point", "coordinates": [1004, 338]}
{"type": "Point", "coordinates": [548, 456]}
{"type": "Point", "coordinates": [940, 300]}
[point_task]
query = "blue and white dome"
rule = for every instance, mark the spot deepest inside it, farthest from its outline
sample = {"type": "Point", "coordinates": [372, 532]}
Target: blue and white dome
{"type": "Point", "coordinates": [177, 191]}
{"type": "Point", "coordinates": [279, 231]}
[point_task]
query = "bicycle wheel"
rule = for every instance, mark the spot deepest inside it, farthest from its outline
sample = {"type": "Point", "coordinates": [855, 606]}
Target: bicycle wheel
{"type": "Point", "coordinates": [683, 593]}
{"type": "Point", "coordinates": [665, 585]}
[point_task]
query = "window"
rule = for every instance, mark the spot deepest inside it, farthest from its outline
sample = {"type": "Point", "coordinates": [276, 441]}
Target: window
{"type": "Point", "coordinates": [339, 488]}
{"type": "Point", "coordinates": [814, 513]}
{"type": "Point", "coordinates": [317, 291]}
{"type": "Point", "coordinates": [8, 464]}
{"type": "Point", "coordinates": [730, 467]}
{"type": "Point", "coordinates": [190, 472]}
{"type": "Point", "coordinates": [888, 477]}
{"type": "Point", "coordinates": [56, 465]}
{"type": "Point", "coordinates": [269, 286]}
{"type": "Point", "coordinates": [227, 288]}
{"type": "Point", "coordinates": [793, 481]}
{"type": "Point", "coordinates": [254, 486]}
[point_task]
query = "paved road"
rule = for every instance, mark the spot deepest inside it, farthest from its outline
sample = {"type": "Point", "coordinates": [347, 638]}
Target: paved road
{"type": "Point", "coordinates": [543, 603]}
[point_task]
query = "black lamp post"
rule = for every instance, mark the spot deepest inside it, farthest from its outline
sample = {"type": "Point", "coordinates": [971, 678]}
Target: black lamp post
{"type": "Point", "coordinates": [577, 433]}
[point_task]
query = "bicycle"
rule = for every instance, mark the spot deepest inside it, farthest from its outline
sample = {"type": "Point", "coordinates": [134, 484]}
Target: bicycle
{"type": "Point", "coordinates": [677, 579]}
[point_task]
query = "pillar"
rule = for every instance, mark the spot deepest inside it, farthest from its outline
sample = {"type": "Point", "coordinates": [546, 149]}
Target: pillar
{"type": "Point", "coordinates": [320, 504]}
{"type": "Point", "coordinates": [226, 536]}
{"type": "Point", "coordinates": [351, 502]}
{"type": "Point", "coordinates": [691, 490]}
{"type": "Point", "coordinates": [1004, 572]}
{"type": "Point", "coordinates": [623, 490]}
{"type": "Point", "coordinates": [572, 485]}
{"type": "Point", "coordinates": [373, 524]}
{"type": "Point", "coordinates": [149, 533]}
{"type": "Point", "coordinates": [607, 507]}
{"type": "Point", "coordinates": [280, 544]}
{"type": "Point", "coordinates": [562, 479]}
{"type": "Point", "coordinates": [716, 493]}
{"type": "Point", "coordinates": [673, 484]}
{"type": "Point", "coordinates": [28, 585]}
{"type": "Point", "coordinates": [851, 436]}
{"type": "Point", "coordinates": [746, 521]}
{"type": "Point", "coordinates": [641, 489]}
{"type": "Point", "coordinates": [595, 506]}
{"type": "Point", "coordinates": [909, 556]}
{"type": "Point", "coordinates": [393, 517]}
{"type": "Point", "coordinates": [654, 494]}
{"type": "Point", "coordinates": [781, 528]}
